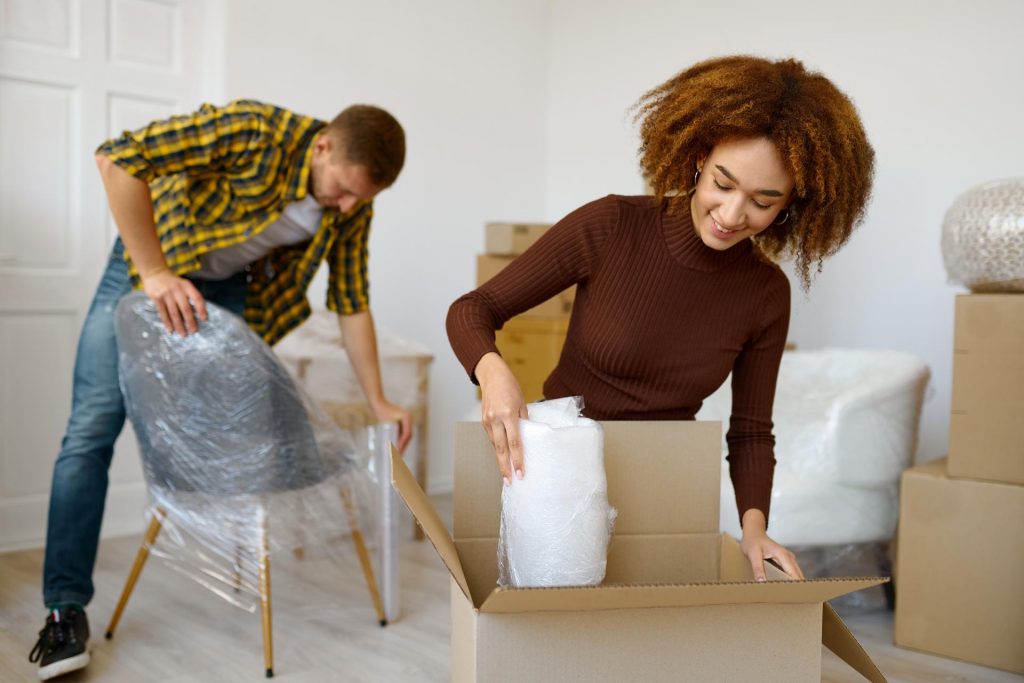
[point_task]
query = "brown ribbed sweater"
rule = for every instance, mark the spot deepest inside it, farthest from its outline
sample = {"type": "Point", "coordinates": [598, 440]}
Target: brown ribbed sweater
{"type": "Point", "coordinates": [659, 322]}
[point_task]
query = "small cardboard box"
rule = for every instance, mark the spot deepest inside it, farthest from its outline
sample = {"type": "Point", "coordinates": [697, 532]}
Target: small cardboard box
{"type": "Point", "coordinates": [986, 433]}
{"type": "Point", "coordinates": [512, 239]}
{"type": "Point", "coordinates": [558, 306]}
{"type": "Point", "coordinates": [960, 588]}
{"type": "Point", "coordinates": [677, 603]}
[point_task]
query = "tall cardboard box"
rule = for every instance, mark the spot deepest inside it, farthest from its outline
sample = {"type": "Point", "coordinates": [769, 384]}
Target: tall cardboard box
{"type": "Point", "coordinates": [960, 586]}
{"type": "Point", "coordinates": [512, 239]}
{"type": "Point", "coordinates": [532, 347]}
{"type": "Point", "coordinates": [558, 306]}
{"type": "Point", "coordinates": [986, 432]}
{"type": "Point", "coordinates": [678, 602]}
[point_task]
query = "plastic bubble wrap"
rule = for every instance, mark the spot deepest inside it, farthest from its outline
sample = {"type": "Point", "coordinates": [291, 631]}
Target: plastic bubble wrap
{"type": "Point", "coordinates": [239, 462]}
{"type": "Point", "coordinates": [846, 423]}
{"type": "Point", "coordinates": [983, 237]}
{"type": "Point", "coordinates": [556, 521]}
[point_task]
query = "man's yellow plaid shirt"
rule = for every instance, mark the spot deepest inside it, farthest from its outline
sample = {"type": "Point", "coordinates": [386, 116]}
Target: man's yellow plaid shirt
{"type": "Point", "coordinates": [222, 175]}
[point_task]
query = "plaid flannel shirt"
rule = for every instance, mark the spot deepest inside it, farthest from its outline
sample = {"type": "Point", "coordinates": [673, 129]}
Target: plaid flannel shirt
{"type": "Point", "coordinates": [221, 175]}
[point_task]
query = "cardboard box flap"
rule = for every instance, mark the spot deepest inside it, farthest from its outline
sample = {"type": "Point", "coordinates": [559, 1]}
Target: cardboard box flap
{"type": "Point", "coordinates": [591, 598]}
{"type": "Point", "coordinates": [837, 637]}
{"type": "Point", "coordinates": [416, 499]}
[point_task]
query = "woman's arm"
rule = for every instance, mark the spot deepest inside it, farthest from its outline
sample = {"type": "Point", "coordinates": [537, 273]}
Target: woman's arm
{"type": "Point", "coordinates": [565, 255]}
{"type": "Point", "coordinates": [750, 439]}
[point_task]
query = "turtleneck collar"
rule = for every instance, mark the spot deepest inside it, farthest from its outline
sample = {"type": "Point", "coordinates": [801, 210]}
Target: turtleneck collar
{"type": "Point", "coordinates": [686, 246]}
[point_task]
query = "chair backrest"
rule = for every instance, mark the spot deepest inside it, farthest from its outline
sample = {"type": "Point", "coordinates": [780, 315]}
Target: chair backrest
{"type": "Point", "coordinates": [216, 412]}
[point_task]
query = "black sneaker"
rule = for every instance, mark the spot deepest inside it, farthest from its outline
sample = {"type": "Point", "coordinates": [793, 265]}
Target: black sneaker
{"type": "Point", "coordinates": [63, 644]}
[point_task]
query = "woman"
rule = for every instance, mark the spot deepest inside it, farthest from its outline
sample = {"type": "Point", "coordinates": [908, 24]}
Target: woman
{"type": "Point", "coordinates": [750, 160]}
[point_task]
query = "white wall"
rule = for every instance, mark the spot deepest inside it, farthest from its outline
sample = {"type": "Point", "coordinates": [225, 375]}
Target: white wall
{"type": "Point", "coordinates": [938, 85]}
{"type": "Point", "coordinates": [520, 111]}
{"type": "Point", "coordinates": [466, 79]}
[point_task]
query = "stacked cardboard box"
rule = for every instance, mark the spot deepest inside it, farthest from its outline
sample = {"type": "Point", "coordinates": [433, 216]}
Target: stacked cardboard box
{"type": "Point", "coordinates": [960, 588]}
{"type": "Point", "coordinates": [678, 602]}
{"type": "Point", "coordinates": [531, 342]}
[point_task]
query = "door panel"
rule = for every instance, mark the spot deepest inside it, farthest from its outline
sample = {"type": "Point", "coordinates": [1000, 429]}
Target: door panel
{"type": "Point", "coordinates": [72, 74]}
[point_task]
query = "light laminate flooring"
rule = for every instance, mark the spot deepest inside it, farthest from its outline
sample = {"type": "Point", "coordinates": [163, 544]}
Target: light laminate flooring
{"type": "Point", "coordinates": [325, 629]}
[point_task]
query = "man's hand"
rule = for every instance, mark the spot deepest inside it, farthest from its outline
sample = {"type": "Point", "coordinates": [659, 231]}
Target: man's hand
{"type": "Point", "coordinates": [389, 412]}
{"type": "Point", "coordinates": [175, 298]}
{"type": "Point", "coordinates": [758, 547]}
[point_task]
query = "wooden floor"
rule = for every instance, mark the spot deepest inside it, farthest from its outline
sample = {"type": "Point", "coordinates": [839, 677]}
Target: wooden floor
{"type": "Point", "coordinates": [325, 628]}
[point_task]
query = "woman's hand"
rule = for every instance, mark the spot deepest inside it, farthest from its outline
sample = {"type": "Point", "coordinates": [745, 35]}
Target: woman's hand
{"type": "Point", "coordinates": [758, 547]}
{"type": "Point", "coordinates": [175, 298]}
{"type": "Point", "coordinates": [503, 406]}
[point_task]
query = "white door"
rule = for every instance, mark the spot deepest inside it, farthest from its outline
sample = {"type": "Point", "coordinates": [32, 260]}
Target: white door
{"type": "Point", "coordinates": [72, 74]}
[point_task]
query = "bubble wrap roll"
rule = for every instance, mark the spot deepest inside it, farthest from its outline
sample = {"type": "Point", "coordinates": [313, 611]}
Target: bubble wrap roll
{"type": "Point", "coordinates": [983, 237]}
{"type": "Point", "coordinates": [556, 522]}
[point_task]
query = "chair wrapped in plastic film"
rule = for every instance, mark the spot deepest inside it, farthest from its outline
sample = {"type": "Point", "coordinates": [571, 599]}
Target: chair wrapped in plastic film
{"type": "Point", "coordinates": [239, 463]}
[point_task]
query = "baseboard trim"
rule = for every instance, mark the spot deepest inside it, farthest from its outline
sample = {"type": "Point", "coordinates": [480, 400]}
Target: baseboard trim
{"type": "Point", "coordinates": [23, 520]}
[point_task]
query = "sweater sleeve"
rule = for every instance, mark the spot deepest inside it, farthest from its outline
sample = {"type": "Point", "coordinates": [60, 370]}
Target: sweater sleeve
{"type": "Point", "coordinates": [565, 255]}
{"type": "Point", "coordinates": [750, 440]}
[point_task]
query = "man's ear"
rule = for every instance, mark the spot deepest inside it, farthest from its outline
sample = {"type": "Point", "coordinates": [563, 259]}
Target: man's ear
{"type": "Point", "coordinates": [323, 144]}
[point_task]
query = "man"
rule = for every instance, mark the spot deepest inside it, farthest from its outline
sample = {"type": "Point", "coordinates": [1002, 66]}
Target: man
{"type": "Point", "coordinates": [239, 205]}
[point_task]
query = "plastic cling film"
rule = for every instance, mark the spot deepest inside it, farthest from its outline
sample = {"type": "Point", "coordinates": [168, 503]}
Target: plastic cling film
{"type": "Point", "coordinates": [556, 521]}
{"type": "Point", "coordinates": [239, 462]}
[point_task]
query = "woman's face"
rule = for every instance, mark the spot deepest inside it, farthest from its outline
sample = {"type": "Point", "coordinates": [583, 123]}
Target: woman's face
{"type": "Point", "coordinates": [743, 186]}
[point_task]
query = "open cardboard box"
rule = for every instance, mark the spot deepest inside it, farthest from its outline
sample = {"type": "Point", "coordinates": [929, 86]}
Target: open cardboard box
{"type": "Point", "coordinates": [678, 602]}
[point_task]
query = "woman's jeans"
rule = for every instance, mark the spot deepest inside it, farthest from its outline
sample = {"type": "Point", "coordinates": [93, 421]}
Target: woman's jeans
{"type": "Point", "coordinates": [79, 488]}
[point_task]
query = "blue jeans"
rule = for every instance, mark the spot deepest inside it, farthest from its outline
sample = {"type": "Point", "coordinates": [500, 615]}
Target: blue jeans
{"type": "Point", "coordinates": [79, 489]}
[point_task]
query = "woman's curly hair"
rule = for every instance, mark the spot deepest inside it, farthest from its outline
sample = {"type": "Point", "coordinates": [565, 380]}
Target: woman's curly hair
{"type": "Point", "coordinates": [814, 126]}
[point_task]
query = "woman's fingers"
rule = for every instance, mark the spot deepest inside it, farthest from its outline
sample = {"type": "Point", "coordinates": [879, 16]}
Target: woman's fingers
{"type": "Point", "coordinates": [502, 406]}
{"type": "Point", "coordinates": [756, 558]}
{"type": "Point", "coordinates": [499, 438]}
{"type": "Point", "coordinates": [515, 446]}
{"type": "Point", "coordinates": [770, 550]}
{"type": "Point", "coordinates": [787, 561]}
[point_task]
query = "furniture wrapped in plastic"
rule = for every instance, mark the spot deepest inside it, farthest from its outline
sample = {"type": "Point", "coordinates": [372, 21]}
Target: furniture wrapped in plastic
{"type": "Point", "coordinates": [556, 521]}
{"type": "Point", "coordinates": [846, 425]}
{"type": "Point", "coordinates": [983, 237]}
{"type": "Point", "coordinates": [239, 462]}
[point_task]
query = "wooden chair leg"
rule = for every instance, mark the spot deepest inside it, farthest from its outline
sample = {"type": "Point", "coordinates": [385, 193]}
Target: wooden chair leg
{"type": "Point", "coordinates": [264, 578]}
{"type": "Point", "coordinates": [364, 556]}
{"type": "Point", "coordinates": [133, 575]}
{"type": "Point", "coordinates": [237, 569]}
